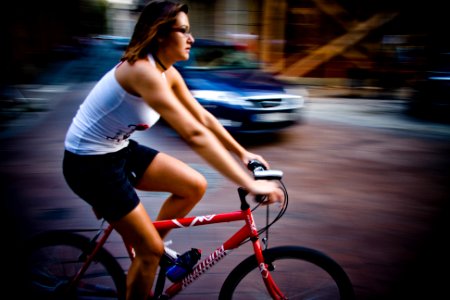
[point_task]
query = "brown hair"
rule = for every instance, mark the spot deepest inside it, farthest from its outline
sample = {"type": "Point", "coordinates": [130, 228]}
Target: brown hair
{"type": "Point", "coordinates": [155, 21]}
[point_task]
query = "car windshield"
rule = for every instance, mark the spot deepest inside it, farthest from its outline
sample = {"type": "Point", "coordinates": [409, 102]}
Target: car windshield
{"type": "Point", "coordinates": [219, 57]}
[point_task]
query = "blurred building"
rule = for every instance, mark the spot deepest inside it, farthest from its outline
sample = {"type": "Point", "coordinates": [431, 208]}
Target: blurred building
{"type": "Point", "coordinates": [370, 42]}
{"type": "Point", "coordinates": [352, 42]}
{"type": "Point", "coordinates": [34, 33]}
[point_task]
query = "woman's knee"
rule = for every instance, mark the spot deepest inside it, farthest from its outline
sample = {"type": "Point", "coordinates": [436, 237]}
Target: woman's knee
{"type": "Point", "coordinates": [149, 253]}
{"type": "Point", "coordinates": [198, 187]}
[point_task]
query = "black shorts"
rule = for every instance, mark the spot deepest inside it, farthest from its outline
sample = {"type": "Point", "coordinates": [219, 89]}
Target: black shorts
{"type": "Point", "coordinates": [107, 181]}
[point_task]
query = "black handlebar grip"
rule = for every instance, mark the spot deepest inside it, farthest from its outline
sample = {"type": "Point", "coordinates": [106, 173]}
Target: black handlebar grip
{"type": "Point", "coordinates": [255, 165]}
{"type": "Point", "coordinates": [260, 198]}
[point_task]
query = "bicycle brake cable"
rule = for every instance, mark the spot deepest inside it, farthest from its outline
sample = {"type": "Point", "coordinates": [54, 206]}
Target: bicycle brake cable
{"type": "Point", "coordinates": [279, 215]}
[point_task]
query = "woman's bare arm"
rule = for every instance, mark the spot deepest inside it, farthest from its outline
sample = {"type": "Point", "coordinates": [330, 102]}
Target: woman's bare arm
{"type": "Point", "coordinates": [207, 119]}
{"type": "Point", "coordinates": [145, 80]}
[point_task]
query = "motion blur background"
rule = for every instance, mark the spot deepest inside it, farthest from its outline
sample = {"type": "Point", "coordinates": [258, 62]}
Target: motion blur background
{"type": "Point", "coordinates": [369, 184]}
{"type": "Point", "coordinates": [377, 48]}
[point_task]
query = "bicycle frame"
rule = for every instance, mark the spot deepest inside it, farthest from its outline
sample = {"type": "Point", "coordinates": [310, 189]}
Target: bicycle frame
{"type": "Point", "coordinates": [247, 231]}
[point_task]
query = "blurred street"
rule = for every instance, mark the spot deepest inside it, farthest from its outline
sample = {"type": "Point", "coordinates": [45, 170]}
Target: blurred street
{"type": "Point", "coordinates": [368, 185]}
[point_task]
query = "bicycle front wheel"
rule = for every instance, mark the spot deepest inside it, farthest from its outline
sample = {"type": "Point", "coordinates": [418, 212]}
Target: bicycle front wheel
{"type": "Point", "coordinates": [300, 273]}
{"type": "Point", "coordinates": [54, 258]}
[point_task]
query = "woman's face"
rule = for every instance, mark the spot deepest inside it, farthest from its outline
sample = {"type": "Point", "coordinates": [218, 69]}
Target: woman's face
{"type": "Point", "coordinates": [177, 45]}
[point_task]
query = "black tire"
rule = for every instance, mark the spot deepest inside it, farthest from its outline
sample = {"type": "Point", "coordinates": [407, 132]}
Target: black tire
{"type": "Point", "coordinates": [53, 258]}
{"type": "Point", "coordinates": [300, 273]}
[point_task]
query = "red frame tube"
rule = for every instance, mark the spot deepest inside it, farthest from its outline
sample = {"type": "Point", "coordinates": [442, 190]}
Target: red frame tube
{"type": "Point", "coordinates": [199, 220]}
{"type": "Point", "coordinates": [248, 231]}
{"type": "Point", "coordinates": [91, 256]}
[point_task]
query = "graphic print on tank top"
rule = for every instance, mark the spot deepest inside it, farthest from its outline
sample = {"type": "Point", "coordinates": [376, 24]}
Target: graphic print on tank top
{"type": "Point", "coordinates": [123, 135]}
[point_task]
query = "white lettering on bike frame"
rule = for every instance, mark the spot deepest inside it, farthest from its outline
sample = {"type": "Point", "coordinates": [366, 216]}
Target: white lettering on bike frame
{"type": "Point", "coordinates": [205, 265]}
{"type": "Point", "coordinates": [263, 270]}
{"type": "Point", "coordinates": [252, 224]}
{"type": "Point", "coordinates": [199, 219]}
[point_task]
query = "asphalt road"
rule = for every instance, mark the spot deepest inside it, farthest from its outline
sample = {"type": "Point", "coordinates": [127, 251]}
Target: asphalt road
{"type": "Point", "coordinates": [368, 186]}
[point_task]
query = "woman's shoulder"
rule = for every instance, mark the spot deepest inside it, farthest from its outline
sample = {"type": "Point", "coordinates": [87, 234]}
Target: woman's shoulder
{"type": "Point", "coordinates": [173, 75]}
{"type": "Point", "coordinates": [141, 69]}
{"type": "Point", "coordinates": [134, 77]}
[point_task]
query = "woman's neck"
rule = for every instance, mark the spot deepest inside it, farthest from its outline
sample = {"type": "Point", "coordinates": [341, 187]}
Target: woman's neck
{"type": "Point", "coordinates": [158, 61]}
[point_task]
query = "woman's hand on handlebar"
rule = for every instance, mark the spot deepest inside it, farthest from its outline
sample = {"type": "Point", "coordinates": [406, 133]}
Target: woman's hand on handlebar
{"type": "Point", "coordinates": [249, 156]}
{"type": "Point", "coordinates": [267, 188]}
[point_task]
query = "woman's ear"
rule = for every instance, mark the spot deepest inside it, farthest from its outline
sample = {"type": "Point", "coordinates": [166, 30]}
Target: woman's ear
{"type": "Point", "coordinates": [158, 38]}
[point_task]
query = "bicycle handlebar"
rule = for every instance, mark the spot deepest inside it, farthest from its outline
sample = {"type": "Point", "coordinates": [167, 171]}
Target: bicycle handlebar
{"type": "Point", "coordinates": [261, 172]}
{"type": "Point", "coordinates": [255, 165]}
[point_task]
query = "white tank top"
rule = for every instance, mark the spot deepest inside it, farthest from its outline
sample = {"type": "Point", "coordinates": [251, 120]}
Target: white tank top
{"type": "Point", "coordinates": [107, 117]}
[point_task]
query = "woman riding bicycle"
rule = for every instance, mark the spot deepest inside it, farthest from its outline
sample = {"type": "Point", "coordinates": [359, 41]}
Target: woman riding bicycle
{"type": "Point", "coordinates": [104, 167]}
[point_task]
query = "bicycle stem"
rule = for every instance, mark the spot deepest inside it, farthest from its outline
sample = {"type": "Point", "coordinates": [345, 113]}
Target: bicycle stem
{"type": "Point", "coordinates": [242, 194]}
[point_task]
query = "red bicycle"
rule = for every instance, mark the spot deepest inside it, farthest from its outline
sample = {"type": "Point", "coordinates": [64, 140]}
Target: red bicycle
{"type": "Point", "coordinates": [69, 265]}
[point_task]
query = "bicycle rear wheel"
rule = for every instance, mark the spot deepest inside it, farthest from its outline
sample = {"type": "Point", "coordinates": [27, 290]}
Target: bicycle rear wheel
{"type": "Point", "coordinates": [55, 257]}
{"type": "Point", "coordinates": [300, 273]}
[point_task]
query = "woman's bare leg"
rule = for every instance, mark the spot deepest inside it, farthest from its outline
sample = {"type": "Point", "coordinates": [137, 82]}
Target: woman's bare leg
{"type": "Point", "coordinates": [186, 185]}
{"type": "Point", "coordinates": [137, 230]}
